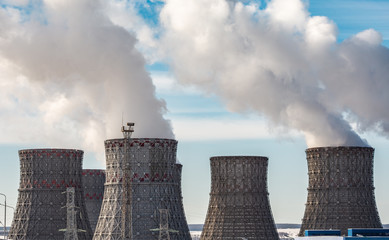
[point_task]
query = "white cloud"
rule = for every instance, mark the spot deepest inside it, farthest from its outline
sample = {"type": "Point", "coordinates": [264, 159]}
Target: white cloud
{"type": "Point", "coordinates": [320, 33]}
{"type": "Point", "coordinates": [369, 36]}
{"type": "Point", "coordinates": [289, 14]}
{"type": "Point", "coordinates": [68, 80]}
{"type": "Point", "coordinates": [226, 128]}
{"type": "Point", "coordinates": [163, 80]}
{"type": "Point", "coordinates": [166, 83]}
{"type": "Point", "coordinates": [282, 63]}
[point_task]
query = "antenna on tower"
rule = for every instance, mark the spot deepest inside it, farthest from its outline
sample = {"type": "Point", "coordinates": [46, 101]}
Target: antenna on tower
{"type": "Point", "coordinates": [128, 130]}
{"type": "Point", "coordinates": [127, 188]}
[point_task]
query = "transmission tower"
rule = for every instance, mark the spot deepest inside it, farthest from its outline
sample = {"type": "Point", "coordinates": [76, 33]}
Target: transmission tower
{"type": "Point", "coordinates": [164, 231]}
{"type": "Point", "coordinates": [71, 225]}
{"type": "Point", "coordinates": [127, 190]}
{"type": "Point", "coordinates": [164, 224]}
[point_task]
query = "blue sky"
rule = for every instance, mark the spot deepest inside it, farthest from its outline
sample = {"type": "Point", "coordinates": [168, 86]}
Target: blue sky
{"type": "Point", "coordinates": [352, 17]}
{"type": "Point", "coordinates": [204, 128]}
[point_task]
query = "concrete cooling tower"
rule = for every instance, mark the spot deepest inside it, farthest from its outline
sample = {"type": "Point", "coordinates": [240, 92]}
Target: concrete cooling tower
{"type": "Point", "coordinates": [156, 188]}
{"type": "Point", "coordinates": [239, 206]}
{"type": "Point", "coordinates": [45, 177]}
{"type": "Point", "coordinates": [93, 181]}
{"type": "Point", "coordinates": [341, 190]}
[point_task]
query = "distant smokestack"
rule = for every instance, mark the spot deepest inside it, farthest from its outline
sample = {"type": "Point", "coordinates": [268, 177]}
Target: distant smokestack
{"type": "Point", "coordinates": [40, 213]}
{"type": "Point", "coordinates": [93, 182]}
{"type": "Point", "coordinates": [341, 190]}
{"type": "Point", "coordinates": [239, 206]}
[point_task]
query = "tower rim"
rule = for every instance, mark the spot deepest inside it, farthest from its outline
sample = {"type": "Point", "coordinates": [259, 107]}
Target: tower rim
{"type": "Point", "coordinates": [142, 139]}
{"type": "Point", "coordinates": [235, 157]}
{"type": "Point", "coordinates": [50, 149]}
{"type": "Point", "coordinates": [336, 148]}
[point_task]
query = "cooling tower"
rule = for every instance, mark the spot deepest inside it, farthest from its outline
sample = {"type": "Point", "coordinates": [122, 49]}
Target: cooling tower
{"type": "Point", "coordinates": [41, 211]}
{"type": "Point", "coordinates": [341, 191]}
{"type": "Point", "coordinates": [93, 181]}
{"type": "Point", "coordinates": [155, 183]}
{"type": "Point", "coordinates": [239, 206]}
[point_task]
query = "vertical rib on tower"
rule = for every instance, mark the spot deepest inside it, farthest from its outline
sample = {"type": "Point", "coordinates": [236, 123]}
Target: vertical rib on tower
{"type": "Point", "coordinates": [41, 208]}
{"type": "Point", "coordinates": [93, 181]}
{"type": "Point", "coordinates": [156, 181]}
{"type": "Point", "coordinates": [341, 190]}
{"type": "Point", "coordinates": [239, 205]}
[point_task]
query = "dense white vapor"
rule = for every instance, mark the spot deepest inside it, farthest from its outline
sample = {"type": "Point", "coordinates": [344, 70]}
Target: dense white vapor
{"type": "Point", "coordinates": [123, 13]}
{"type": "Point", "coordinates": [283, 63]}
{"type": "Point", "coordinates": [67, 75]}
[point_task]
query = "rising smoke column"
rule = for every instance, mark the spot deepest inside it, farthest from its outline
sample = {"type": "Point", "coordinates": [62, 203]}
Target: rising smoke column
{"type": "Point", "coordinates": [283, 63]}
{"type": "Point", "coordinates": [67, 75]}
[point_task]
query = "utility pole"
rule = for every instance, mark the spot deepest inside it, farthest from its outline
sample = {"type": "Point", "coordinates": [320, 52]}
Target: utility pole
{"type": "Point", "coordinates": [127, 187]}
{"type": "Point", "coordinates": [5, 215]}
{"type": "Point", "coordinates": [164, 224]}
{"type": "Point", "coordinates": [71, 225]}
{"type": "Point", "coordinates": [5, 226]}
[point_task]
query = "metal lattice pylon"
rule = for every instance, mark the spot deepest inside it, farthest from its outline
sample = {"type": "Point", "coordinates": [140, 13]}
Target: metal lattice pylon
{"type": "Point", "coordinates": [71, 225]}
{"type": "Point", "coordinates": [164, 231]}
{"type": "Point", "coordinates": [341, 189]}
{"type": "Point", "coordinates": [164, 224]}
{"type": "Point", "coordinates": [127, 190]}
{"type": "Point", "coordinates": [126, 205]}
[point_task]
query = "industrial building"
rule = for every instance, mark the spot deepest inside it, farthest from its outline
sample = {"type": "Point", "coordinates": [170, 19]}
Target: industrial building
{"type": "Point", "coordinates": [239, 206]}
{"type": "Point", "coordinates": [142, 196]}
{"type": "Point", "coordinates": [341, 189]}
{"type": "Point", "coordinates": [352, 234]}
{"type": "Point", "coordinates": [44, 210]}
{"type": "Point", "coordinates": [93, 182]}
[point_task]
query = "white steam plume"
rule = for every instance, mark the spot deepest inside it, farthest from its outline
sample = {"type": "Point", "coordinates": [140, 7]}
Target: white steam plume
{"type": "Point", "coordinates": [283, 63]}
{"type": "Point", "coordinates": [67, 74]}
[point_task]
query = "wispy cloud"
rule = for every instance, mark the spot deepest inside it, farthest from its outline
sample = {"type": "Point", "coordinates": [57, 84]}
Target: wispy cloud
{"type": "Point", "coordinates": [222, 128]}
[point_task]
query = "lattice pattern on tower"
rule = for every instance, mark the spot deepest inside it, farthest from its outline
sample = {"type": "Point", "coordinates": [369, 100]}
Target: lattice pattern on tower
{"type": "Point", "coordinates": [155, 182]}
{"type": "Point", "coordinates": [44, 175]}
{"type": "Point", "coordinates": [93, 181]}
{"type": "Point", "coordinates": [341, 190]}
{"type": "Point", "coordinates": [239, 206]}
